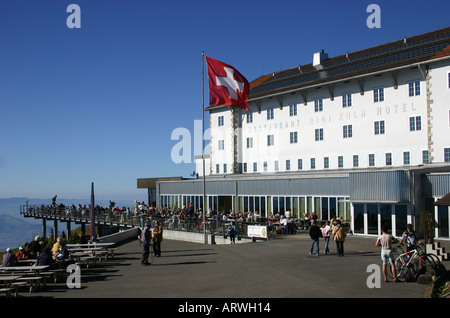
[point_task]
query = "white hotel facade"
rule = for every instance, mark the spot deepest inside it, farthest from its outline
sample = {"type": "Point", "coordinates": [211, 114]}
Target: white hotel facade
{"type": "Point", "coordinates": [365, 136]}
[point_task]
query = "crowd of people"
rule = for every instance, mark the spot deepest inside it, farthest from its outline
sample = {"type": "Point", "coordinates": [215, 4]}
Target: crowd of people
{"type": "Point", "coordinates": [54, 254]}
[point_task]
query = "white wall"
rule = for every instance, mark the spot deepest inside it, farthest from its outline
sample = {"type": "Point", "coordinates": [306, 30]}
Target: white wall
{"type": "Point", "coordinates": [395, 111]}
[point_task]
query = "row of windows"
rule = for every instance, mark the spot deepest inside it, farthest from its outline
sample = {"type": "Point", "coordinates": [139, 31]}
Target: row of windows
{"type": "Point", "coordinates": [415, 124]}
{"type": "Point", "coordinates": [326, 162]}
{"type": "Point", "coordinates": [378, 96]}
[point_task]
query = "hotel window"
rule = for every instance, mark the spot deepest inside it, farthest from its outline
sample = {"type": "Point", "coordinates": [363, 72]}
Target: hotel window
{"type": "Point", "coordinates": [245, 167]}
{"type": "Point", "coordinates": [378, 95]}
{"type": "Point", "coordinates": [446, 154]}
{"type": "Point", "coordinates": [379, 127]}
{"type": "Point", "coordinates": [293, 137]}
{"type": "Point", "coordinates": [250, 142]}
{"type": "Point", "coordinates": [318, 105]}
{"type": "Point", "coordinates": [406, 158]}
{"type": "Point", "coordinates": [293, 110]}
{"type": "Point", "coordinates": [319, 134]}
{"type": "Point", "coordinates": [348, 131]}
{"type": "Point", "coordinates": [425, 157]}
{"type": "Point", "coordinates": [300, 164]}
{"type": "Point", "coordinates": [313, 163]}
{"type": "Point", "coordinates": [355, 161]}
{"type": "Point", "coordinates": [217, 168]}
{"type": "Point", "coordinates": [414, 88]}
{"type": "Point", "coordinates": [347, 100]}
{"type": "Point", "coordinates": [340, 162]}
{"type": "Point", "coordinates": [277, 166]}
{"type": "Point", "coordinates": [270, 114]}
{"type": "Point", "coordinates": [388, 159]}
{"type": "Point", "coordinates": [220, 121]}
{"type": "Point", "coordinates": [415, 123]}
{"type": "Point", "coordinates": [371, 160]}
{"type": "Point", "coordinates": [270, 140]}
{"type": "Point", "coordinates": [221, 144]}
{"type": "Point", "coordinates": [265, 165]}
{"type": "Point", "coordinates": [249, 117]}
{"type": "Point", "coordinates": [288, 164]}
{"type": "Point", "coordinates": [255, 167]}
{"type": "Point", "coordinates": [326, 162]}
{"type": "Point", "coordinates": [224, 168]}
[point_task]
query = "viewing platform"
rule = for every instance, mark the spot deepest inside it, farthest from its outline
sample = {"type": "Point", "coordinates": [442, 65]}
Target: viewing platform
{"type": "Point", "coordinates": [122, 220]}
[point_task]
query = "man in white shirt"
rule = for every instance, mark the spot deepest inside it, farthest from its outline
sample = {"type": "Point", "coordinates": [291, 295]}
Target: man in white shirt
{"type": "Point", "coordinates": [385, 241]}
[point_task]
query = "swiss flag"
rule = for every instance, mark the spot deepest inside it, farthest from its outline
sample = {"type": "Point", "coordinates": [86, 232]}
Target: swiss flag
{"type": "Point", "coordinates": [227, 87]}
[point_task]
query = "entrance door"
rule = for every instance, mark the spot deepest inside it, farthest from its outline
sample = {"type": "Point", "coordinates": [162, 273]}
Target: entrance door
{"type": "Point", "coordinates": [225, 203]}
{"type": "Point", "coordinates": [442, 218]}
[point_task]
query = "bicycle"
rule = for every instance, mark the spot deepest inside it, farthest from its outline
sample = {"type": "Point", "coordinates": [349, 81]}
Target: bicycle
{"type": "Point", "coordinates": [410, 265]}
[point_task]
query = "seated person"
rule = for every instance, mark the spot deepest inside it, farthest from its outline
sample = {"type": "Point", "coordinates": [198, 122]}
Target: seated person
{"type": "Point", "coordinates": [22, 253]}
{"type": "Point", "coordinates": [45, 257]}
{"type": "Point", "coordinates": [9, 259]}
{"type": "Point", "coordinates": [63, 252]}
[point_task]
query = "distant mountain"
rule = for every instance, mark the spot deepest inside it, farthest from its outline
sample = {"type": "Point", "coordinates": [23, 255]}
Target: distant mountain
{"type": "Point", "coordinates": [15, 232]}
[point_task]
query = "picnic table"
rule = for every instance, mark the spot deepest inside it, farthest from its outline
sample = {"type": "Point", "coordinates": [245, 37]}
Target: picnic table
{"type": "Point", "coordinates": [103, 248]}
{"type": "Point", "coordinates": [28, 261]}
{"type": "Point", "coordinates": [24, 269]}
{"type": "Point", "coordinates": [8, 280]}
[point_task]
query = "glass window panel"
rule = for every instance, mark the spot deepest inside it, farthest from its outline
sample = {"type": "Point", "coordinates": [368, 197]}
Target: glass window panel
{"type": "Point", "coordinates": [372, 218]}
{"type": "Point", "coordinates": [401, 213]}
{"type": "Point", "coordinates": [358, 211]}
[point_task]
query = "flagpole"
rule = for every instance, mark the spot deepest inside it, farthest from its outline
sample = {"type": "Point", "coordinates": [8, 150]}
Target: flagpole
{"type": "Point", "coordinates": [203, 147]}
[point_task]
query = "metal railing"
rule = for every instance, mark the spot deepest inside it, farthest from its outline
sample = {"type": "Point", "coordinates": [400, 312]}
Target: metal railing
{"type": "Point", "coordinates": [128, 218]}
{"type": "Point", "coordinates": [83, 215]}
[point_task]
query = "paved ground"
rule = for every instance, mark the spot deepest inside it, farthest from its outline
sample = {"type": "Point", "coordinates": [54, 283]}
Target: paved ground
{"type": "Point", "coordinates": [280, 268]}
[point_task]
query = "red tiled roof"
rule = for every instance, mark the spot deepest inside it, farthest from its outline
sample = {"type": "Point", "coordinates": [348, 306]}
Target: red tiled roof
{"type": "Point", "coordinates": [445, 200]}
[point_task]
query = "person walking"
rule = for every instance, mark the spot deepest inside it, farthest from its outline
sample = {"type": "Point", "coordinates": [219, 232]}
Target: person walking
{"type": "Point", "coordinates": [339, 237]}
{"type": "Point", "coordinates": [314, 233]}
{"type": "Point", "coordinates": [232, 232]}
{"type": "Point", "coordinates": [157, 238]}
{"type": "Point", "coordinates": [326, 232]}
{"type": "Point", "coordinates": [385, 241]}
{"type": "Point", "coordinates": [146, 240]}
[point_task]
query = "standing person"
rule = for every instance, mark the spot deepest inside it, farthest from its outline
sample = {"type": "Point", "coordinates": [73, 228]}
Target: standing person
{"type": "Point", "coordinates": [232, 232]}
{"type": "Point", "coordinates": [146, 239]}
{"type": "Point", "coordinates": [314, 233]}
{"type": "Point", "coordinates": [410, 237]}
{"type": "Point", "coordinates": [326, 232]}
{"type": "Point", "coordinates": [339, 237]}
{"type": "Point", "coordinates": [157, 238]}
{"type": "Point", "coordinates": [385, 241]}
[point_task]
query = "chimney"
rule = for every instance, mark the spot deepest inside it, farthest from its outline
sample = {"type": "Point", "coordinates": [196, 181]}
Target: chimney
{"type": "Point", "coordinates": [319, 57]}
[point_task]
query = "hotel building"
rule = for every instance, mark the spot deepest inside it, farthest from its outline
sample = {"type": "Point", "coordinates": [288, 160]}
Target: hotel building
{"type": "Point", "coordinates": [365, 136]}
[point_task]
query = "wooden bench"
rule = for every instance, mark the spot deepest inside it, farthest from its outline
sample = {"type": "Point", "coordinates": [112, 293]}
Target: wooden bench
{"type": "Point", "coordinates": [16, 286]}
{"type": "Point", "coordinates": [33, 281]}
{"type": "Point", "coordinates": [7, 291]}
{"type": "Point", "coordinates": [59, 274]}
{"type": "Point", "coordinates": [46, 275]}
{"type": "Point", "coordinates": [87, 260]}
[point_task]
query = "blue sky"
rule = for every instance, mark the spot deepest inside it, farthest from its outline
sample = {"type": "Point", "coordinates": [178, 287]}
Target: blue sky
{"type": "Point", "coordinates": [99, 104]}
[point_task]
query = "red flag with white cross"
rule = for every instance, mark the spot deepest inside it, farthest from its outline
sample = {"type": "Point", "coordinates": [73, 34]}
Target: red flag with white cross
{"type": "Point", "coordinates": [227, 87]}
